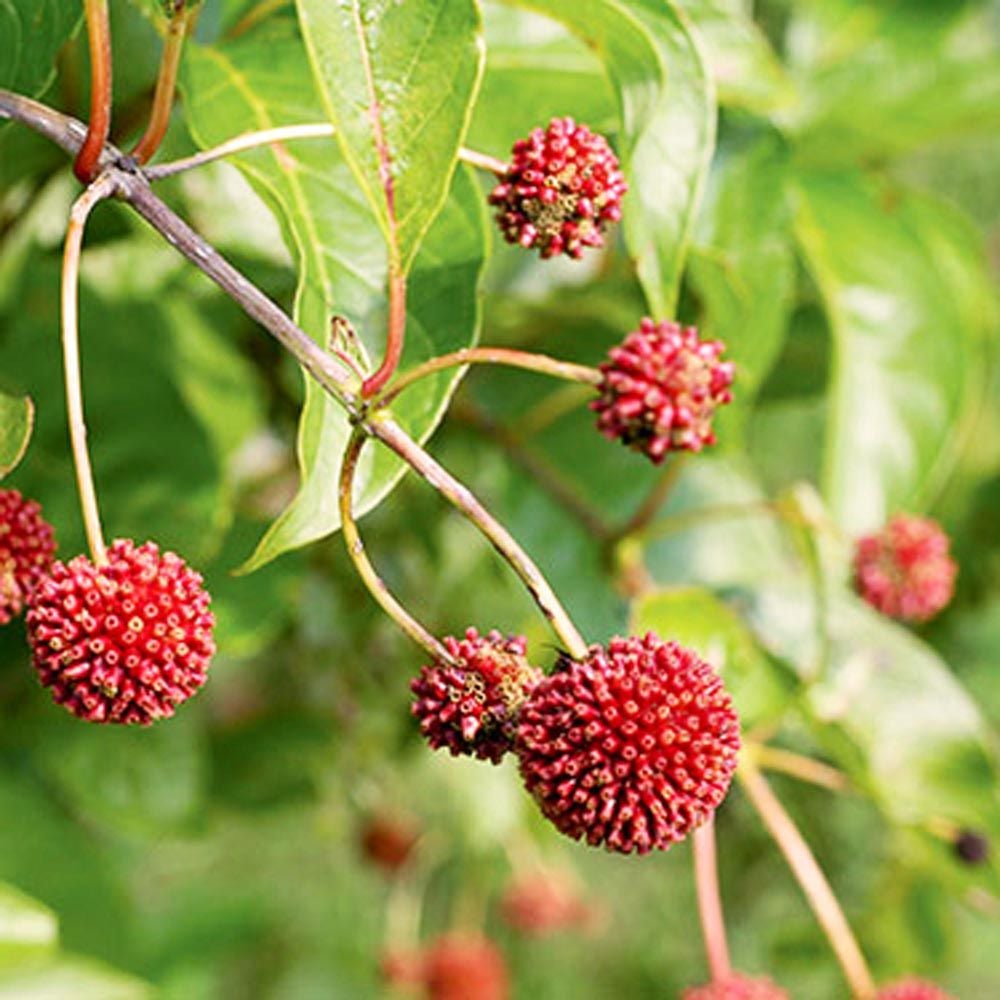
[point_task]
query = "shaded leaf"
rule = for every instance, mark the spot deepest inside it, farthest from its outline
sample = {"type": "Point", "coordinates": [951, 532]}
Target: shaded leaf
{"type": "Point", "coordinates": [31, 34]}
{"type": "Point", "coordinates": [398, 81]}
{"type": "Point", "coordinates": [17, 418]}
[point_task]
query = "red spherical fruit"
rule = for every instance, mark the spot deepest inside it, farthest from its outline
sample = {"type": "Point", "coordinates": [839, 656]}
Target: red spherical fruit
{"type": "Point", "coordinates": [27, 547]}
{"type": "Point", "coordinates": [736, 987]}
{"type": "Point", "coordinates": [661, 388]}
{"type": "Point", "coordinates": [563, 186]}
{"type": "Point", "coordinates": [905, 571]}
{"type": "Point", "coordinates": [388, 839]}
{"type": "Point", "coordinates": [461, 966]}
{"type": "Point", "coordinates": [539, 903]}
{"type": "Point", "coordinates": [471, 707]}
{"type": "Point", "coordinates": [123, 642]}
{"type": "Point", "coordinates": [912, 989]}
{"type": "Point", "coordinates": [631, 748]}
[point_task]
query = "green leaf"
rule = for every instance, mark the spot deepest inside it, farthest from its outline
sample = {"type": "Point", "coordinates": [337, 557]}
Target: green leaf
{"type": "Point", "coordinates": [144, 782]}
{"type": "Point", "coordinates": [696, 618]}
{"type": "Point", "coordinates": [667, 108]}
{"type": "Point", "coordinates": [31, 34]}
{"type": "Point", "coordinates": [341, 255]}
{"type": "Point", "coordinates": [746, 71]}
{"type": "Point", "coordinates": [82, 979]}
{"type": "Point", "coordinates": [535, 71]}
{"type": "Point", "coordinates": [17, 418]}
{"type": "Point", "coordinates": [905, 347]}
{"type": "Point", "coordinates": [27, 928]}
{"type": "Point", "coordinates": [917, 740]}
{"type": "Point", "coordinates": [398, 81]}
{"type": "Point", "coordinates": [744, 268]}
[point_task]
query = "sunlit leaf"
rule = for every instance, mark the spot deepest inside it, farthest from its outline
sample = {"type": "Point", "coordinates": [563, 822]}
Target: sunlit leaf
{"type": "Point", "coordinates": [398, 82]}
{"type": "Point", "coordinates": [905, 352]}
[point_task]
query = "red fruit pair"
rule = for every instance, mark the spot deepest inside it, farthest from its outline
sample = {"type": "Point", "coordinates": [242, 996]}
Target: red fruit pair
{"type": "Point", "coordinates": [631, 748]}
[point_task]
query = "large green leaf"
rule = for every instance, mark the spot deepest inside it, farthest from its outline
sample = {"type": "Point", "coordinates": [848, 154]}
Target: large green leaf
{"type": "Point", "coordinates": [31, 34]}
{"type": "Point", "coordinates": [915, 737]}
{"type": "Point", "coordinates": [746, 69]}
{"type": "Point", "coordinates": [17, 417]}
{"type": "Point", "coordinates": [744, 267]}
{"type": "Point", "coordinates": [667, 106]}
{"type": "Point", "coordinates": [27, 928]}
{"type": "Point", "coordinates": [905, 346]}
{"type": "Point", "coordinates": [398, 81]}
{"type": "Point", "coordinates": [265, 81]}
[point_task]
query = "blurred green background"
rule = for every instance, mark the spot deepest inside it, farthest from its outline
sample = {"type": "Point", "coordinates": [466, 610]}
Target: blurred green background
{"type": "Point", "coordinates": [846, 245]}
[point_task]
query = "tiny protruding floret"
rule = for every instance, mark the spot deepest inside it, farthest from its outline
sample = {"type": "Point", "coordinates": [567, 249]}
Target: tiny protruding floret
{"type": "Point", "coordinates": [913, 989]}
{"type": "Point", "coordinates": [471, 707]}
{"type": "Point", "coordinates": [126, 641]}
{"type": "Point", "coordinates": [561, 189]}
{"type": "Point", "coordinates": [27, 547]}
{"type": "Point", "coordinates": [905, 570]}
{"type": "Point", "coordinates": [661, 388]}
{"type": "Point", "coordinates": [633, 747]}
{"type": "Point", "coordinates": [736, 987]}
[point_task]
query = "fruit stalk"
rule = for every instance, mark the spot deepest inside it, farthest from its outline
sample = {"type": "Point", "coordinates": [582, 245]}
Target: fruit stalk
{"type": "Point", "coordinates": [713, 925]}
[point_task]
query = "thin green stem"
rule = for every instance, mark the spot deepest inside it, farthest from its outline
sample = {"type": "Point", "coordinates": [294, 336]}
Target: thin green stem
{"type": "Point", "coordinates": [483, 161]}
{"type": "Point", "coordinates": [811, 879]}
{"type": "Point", "coordinates": [540, 363]}
{"type": "Point", "coordinates": [87, 163]}
{"type": "Point", "coordinates": [713, 925]}
{"type": "Point", "coordinates": [240, 144]}
{"type": "Point", "coordinates": [82, 207]}
{"type": "Point", "coordinates": [369, 575]}
{"type": "Point", "coordinates": [654, 500]}
{"type": "Point", "coordinates": [166, 82]}
{"type": "Point", "coordinates": [394, 437]}
{"type": "Point", "coordinates": [797, 766]}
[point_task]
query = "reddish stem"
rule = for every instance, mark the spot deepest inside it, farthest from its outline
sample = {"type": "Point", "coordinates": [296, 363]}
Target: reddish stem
{"type": "Point", "coordinates": [166, 83]}
{"type": "Point", "coordinates": [710, 902]}
{"type": "Point", "coordinates": [394, 336]}
{"type": "Point", "coordinates": [87, 161]}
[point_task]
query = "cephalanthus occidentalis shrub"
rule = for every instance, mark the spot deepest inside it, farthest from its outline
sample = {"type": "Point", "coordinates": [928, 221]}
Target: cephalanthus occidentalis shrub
{"type": "Point", "coordinates": [27, 548]}
{"type": "Point", "coordinates": [913, 989]}
{"type": "Point", "coordinates": [736, 987]}
{"type": "Point", "coordinates": [905, 570]}
{"type": "Point", "coordinates": [562, 187]}
{"type": "Point", "coordinates": [661, 388]}
{"type": "Point", "coordinates": [124, 642]}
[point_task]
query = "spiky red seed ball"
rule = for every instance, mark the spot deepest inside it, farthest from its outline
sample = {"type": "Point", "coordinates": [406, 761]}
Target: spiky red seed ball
{"type": "Point", "coordinates": [661, 388]}
{"type": "Point", "coordinates": [27, 548]}
{"type": "Point", "coordinates": [736, 987]}
{"type": "Point", "coordinates": [912, 989]}
{"type": "Point", "coordinates": [124, 642]}
{"type": "Point", "coordinates": [540, 903]}
{"type": "Point", "coordinates": [561, 189]}
{"type": "Point", "coordinates": [905, 570]}
{"type": "Point", "coordinates": [463, 966]}
{"type": "Point", "coordinates": [471, 708]}
{"type": "Point", "coordinates": [631, 748]}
